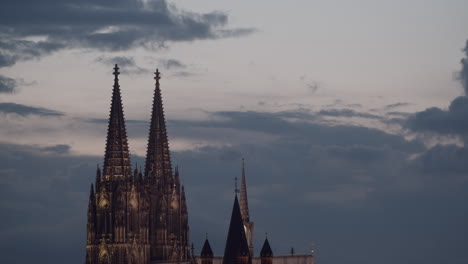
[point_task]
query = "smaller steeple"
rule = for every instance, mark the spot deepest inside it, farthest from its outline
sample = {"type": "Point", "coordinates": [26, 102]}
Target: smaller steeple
{"type": "Point", "coordinates": [237, 249]}
{"type": "Point", "coordinates": [206, 252]}
{"type": "Point", "coordinates": [266, 251]}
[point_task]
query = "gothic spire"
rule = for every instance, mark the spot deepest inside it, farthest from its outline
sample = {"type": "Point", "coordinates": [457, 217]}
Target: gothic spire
{"type": "Point", "coordinates": [117, 158]}
{"type": "Point", "coordinates": [237, 249]}
{"type": "Point", "coordinates": [244, 205]}
{"type": "Point", "coordinates": [158, 161]}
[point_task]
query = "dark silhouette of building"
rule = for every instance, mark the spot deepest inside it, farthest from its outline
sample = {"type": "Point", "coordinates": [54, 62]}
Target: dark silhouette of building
{"type": "Point", "coordinates": [266, 254]}
{"type": "Point", "coordinates": [237, 249]}
{"type": "Point", "coordinates": [239, 242]}
{"type": "Point", "coordinates": [206, 255]}
{"type": "Point", "coordinates": [136, 219]}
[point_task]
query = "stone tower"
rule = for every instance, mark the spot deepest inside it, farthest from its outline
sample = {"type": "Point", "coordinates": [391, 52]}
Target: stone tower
{"type": "Point", "coordinates": [134, 219]}
{"type": "Point", "coordinates": [117, 229]}
{"type": "Point", "coordinates": [168, 229]}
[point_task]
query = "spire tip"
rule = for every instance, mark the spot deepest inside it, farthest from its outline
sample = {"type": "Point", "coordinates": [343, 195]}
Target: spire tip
{"type": "Point", "coordinates": [116, 70]}
{"type": "Point", "coordinates": [157, 75]}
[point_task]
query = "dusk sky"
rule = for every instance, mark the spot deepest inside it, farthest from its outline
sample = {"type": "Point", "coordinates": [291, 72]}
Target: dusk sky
{"type": "Point", "coordinates": [352, 117]}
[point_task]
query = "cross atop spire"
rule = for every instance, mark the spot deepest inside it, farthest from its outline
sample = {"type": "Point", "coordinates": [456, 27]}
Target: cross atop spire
{"type": "Point", "coordinates": [116, 71]}
{"type": "Point", "coordinates": [157, 75]}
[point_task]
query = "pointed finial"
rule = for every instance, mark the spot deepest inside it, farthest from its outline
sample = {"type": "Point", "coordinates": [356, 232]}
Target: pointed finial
{"type": "Point", "coordinates": [158, 75]}
{"type": "Point", "coordinates": [116, 71]}
{"type": "Point", "coordinates": [206, 235]}
{"type": "Point", "coordinates": [266, 235]}
{"type": "Point", "coordinates": [236, 190]}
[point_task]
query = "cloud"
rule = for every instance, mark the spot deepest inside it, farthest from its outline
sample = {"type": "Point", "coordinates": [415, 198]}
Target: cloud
{"type": "Point", "coordinates": [444, 161]}
{"type": "Point", "coordinates": [58, 149]}
{"type": "Point", "coordinates": [126, 64]}
{"type": "Point", "coordinates": [452, 121]}
{"type": "Point", "coordinates": [326, 173]}
{"type": "Point", "coordinates": [25, 110]}
{"type": "Point", "coordinates": [173, 64]}
{"type": "Point", "coordinates": [347, 113]}
{"type": "Point", "coordinates": [183, 74]}
{"type": "Point", "coordinates": [464, 70]}
{"type": "Point", "coordinates": [7, 85]}
{"type": "Point", "coordinates": [395, 105]}
{"type": "Point", "coordinates": [102, 25]}
{"type": "Point", "coordinates": [330, 183]}
{"type": "Point", "coordinates": [313, 87]}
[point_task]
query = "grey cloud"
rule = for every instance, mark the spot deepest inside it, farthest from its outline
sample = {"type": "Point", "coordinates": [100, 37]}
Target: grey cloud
{"type": "Point", "coordinates": [102, 25]}
{"type": "Point", "coordinates": [183, 74]}
{"type": "Point", "coordinates": [37, 188]}
{"type": "Point", "coordinates": [326, 174]}
{"type": "Point", "coordinates": [445, 122]}
{"type": "Point", "coordinates": [452, 121]}
{"type": "Point", "coordinates": [464, 70]}
{"type": "Point", "coordinates": [173, 64]}
{"type": "Point", "coordinates": [126, 64]}
{"type": "Point", "coordinates": [7, 85]}
{"type": "Point", "coordinates": [395, 105]}
{"type": "Point", "coordinates": [13, 50]}
{"type": "Point", "coordinates": [305, 127]}
{"type": "Point", "coordinates": [332, 184]}
{"type": "Point", "coordinates": [444, 161]}
{"type": "Point", "coordinates": [58, 149]}
{"type": "Point", "coordinates": [396, 113]}
{"type": "Point", "coordinates": [313, 87]}
{"type": "Point", "coordinates": [347, 113]}
{"type": "Point", "coordinates": [25, 110]}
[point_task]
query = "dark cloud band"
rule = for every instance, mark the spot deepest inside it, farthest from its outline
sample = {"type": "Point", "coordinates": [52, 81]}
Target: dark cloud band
{"type": "Point", "coordinates": [25, 110]}
{"type": "Point", "coordinates": [102, 25]}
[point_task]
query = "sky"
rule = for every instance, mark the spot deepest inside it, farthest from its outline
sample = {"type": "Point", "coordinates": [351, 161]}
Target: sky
{"type": "Point", "coordinates": [352, 117]}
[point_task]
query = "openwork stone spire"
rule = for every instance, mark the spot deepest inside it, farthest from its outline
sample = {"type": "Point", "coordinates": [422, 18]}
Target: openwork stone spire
{"type": "Point", "coordinates": [117, 158]}
{"type": "Point", "coordinates": [244, 208]}
{"type": "Point", "coordinates": [244, 205]}
{"type": "Point", "coordinates": [158, 161]}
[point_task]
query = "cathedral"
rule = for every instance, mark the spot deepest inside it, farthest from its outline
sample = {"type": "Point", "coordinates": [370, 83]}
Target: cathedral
{"type": "Point", "coordinates": [141, 217]}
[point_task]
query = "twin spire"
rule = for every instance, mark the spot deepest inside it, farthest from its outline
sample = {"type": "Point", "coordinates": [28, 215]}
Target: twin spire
{"type": "Point", "coordinates": [158, 167]}
{"type": "Point", "coordinates": [117, 157]}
